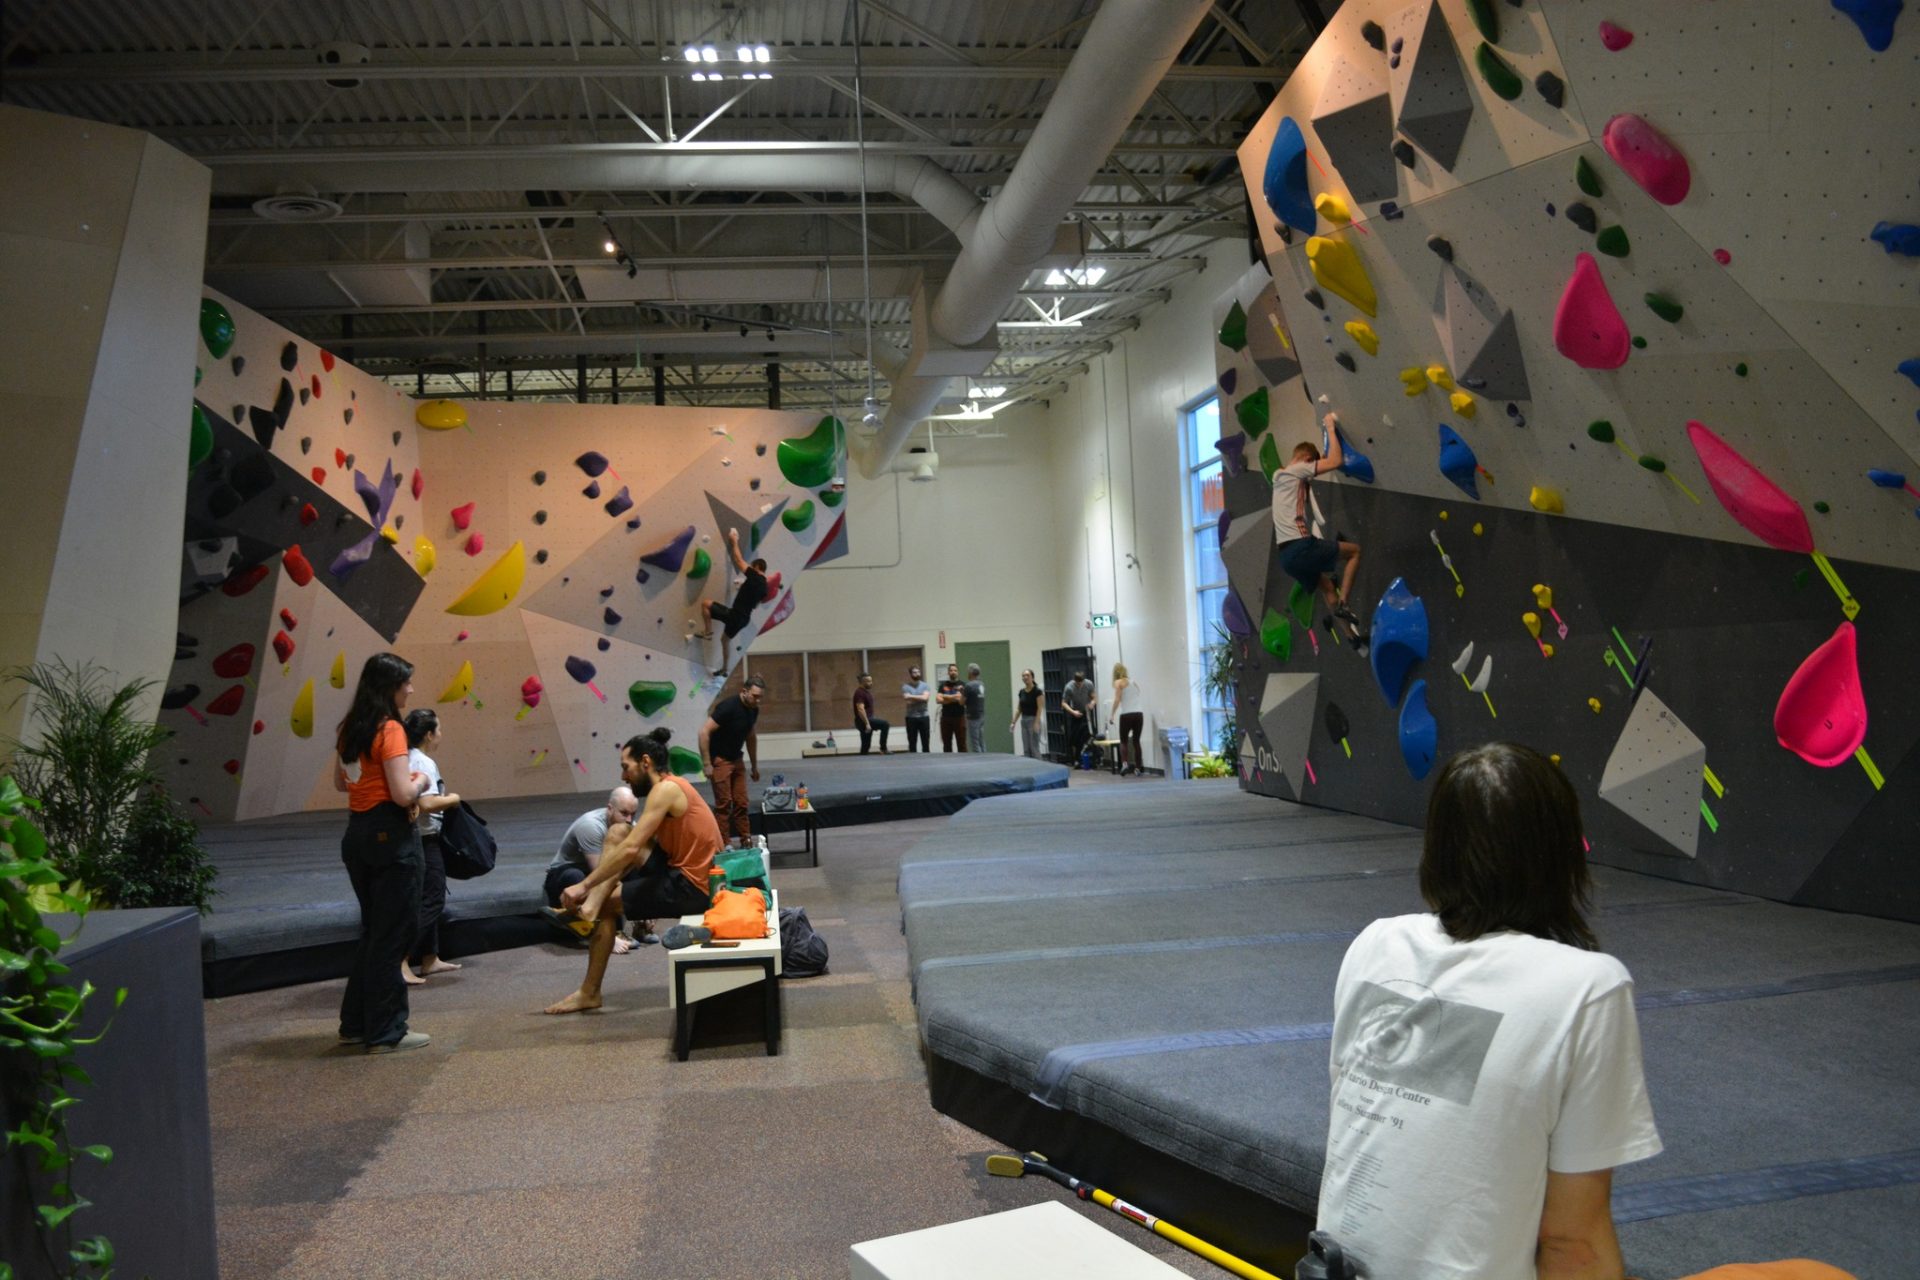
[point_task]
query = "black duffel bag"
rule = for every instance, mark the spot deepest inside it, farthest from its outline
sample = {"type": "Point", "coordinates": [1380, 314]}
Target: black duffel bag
{"type": "Point", "coordinates": [465, 843]}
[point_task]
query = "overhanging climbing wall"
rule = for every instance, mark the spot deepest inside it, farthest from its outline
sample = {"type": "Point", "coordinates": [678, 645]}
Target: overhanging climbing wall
{"type": "Point", "coordinates": [1627, 347]}
{"type": "Point", "coordinates": [540, 565]}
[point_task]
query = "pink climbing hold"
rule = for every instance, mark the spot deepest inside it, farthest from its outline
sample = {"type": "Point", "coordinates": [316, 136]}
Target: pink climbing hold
{"type": "Point", "coordinates": [1587, 328]}
{"type": "Point", "coordinates": [462, 636]}
{"type": "Point", "coordinates": [1615, 37]}
{"type": "Point", "coordinates": [1722, 257]}
{"type": "Point", "coordinates": [462, 516]}
{"type": "Point", "coordinates": [1649, 159]}
{"type": "Point", "coordinates": [1760, 505]}
{"type": "Point", "coordinates": [476, 543]}
{"type": "Point", "coordinates": [1822, 716]}
{"type": "Point", "coordinates": [530, 691]}
{"type": "Point", "coordinates": [419, 484]}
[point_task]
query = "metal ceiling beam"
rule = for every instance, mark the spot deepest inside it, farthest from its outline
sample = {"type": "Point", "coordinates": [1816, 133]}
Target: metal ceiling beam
{"type": "Point", "coordinates": [589, 304]}
{"type": "Point", "coordinates": [747, 260]}
{"type": "Point", "coordinates": [1098, 209]}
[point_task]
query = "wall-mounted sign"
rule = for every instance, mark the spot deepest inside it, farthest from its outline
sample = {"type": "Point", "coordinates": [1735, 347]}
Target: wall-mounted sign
{"type": "Point", "coordinates": [1101, 621]}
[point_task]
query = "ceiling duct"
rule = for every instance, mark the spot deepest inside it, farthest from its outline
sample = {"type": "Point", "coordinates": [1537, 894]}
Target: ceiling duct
{"type": "Point", "coordinates": [297, 206]}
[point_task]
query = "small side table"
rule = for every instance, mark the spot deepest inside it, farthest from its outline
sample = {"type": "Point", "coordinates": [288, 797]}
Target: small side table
{"type": "Point", "coordinates": [805, 821]}
{"type": "Point", "coordinates": [701, 972]}
{"type": "Point", "coordinates": [1045, 1239]}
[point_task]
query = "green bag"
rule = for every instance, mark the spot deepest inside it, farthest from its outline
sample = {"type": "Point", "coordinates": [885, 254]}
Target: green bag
{"type": "Point", "coordinates": [743, 868]}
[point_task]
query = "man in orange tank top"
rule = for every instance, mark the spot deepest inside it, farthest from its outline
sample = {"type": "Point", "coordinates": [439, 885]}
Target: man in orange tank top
{"type": "Point", "coordinates": [680, 830]}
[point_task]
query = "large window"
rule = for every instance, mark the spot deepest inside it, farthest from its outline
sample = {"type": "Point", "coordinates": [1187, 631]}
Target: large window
{"type": "Point", "coordinates": [813, 692]}
{"type": "Point", "coordinates": [1206, 499]}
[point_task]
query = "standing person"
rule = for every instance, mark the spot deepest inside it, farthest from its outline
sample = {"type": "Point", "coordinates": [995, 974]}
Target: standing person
{"type": "Point", "coordinates": [728, 730]}
{"type": "Point", "coordinates": [1077, 700]}
{"type": "Point", "coordinates": [677, 832]}
{"type": "Point", "coordinates": [1027, 716]}
{"type": "Point", "coordinates": [863, 721]}
{"type": "Point", "coordinates": [1126, 713]}
{"type": "Point", "coordinates": [382, 851]}
{"type": "Point", "coordinates": [735, 617]}
{"type": "Point", "coordinates": [423, 739]}
{"type": "Point", "coordinates": [1485, 1057]}
{"type": "Point", "coordinates": [1300, 529]}
{"type": "Point", "coordinates": [976, 706]}
{"type": "Point", "coordinates": [952, 697]}
{"type": "Point", "coordinates": [919, 723]}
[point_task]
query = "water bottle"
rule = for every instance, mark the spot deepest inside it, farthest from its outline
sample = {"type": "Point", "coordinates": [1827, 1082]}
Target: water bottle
{"type": "Point", "coordinates": [800, 796]}
{"type": "Point", "coordinates": [1324, 1260]}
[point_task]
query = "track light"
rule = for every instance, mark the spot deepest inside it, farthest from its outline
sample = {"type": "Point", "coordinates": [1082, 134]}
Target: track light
{"type": "Point", "coordinates": [709, 54]}
{"type": "Point", "coordinates": [744, 53]}
{"type": "Point", "coordinates": [691, 54]}
{"type": "Point", "coordinates": [611, 247]}
{"type": "Point", "coordinates": [760, 54]}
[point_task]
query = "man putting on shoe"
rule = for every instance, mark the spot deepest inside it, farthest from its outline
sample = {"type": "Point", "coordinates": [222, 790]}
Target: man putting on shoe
{"type": "Point", "coordinates": [1299, 528]}
{"type": "Point", "coordinates": [678, 827]}
{"type": "Point", "coordinates": [734, 617]}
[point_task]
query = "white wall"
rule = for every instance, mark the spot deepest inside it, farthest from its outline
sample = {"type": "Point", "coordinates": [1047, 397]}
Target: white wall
{"type": "Point", "coordinates": [1114, 444]}
{"type": "Point", "coordinates": [970, 555]}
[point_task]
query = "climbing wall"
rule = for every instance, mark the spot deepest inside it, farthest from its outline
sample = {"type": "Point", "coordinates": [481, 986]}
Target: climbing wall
{"type": "Point", "coordinates": [1626, 347]}
{"type": "Point", "coordinates": [541, 565]}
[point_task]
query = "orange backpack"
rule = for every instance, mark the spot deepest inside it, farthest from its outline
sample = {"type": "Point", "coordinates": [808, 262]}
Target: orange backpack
{"type": "Point", "coordinates": [737, 915]}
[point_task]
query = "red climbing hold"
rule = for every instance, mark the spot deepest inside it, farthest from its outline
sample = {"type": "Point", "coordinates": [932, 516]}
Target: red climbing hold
{"type": "Point", "coordinates": [244, 581]}
{"type": "Point", "coordinates": [259, 727]}
{"type": "Point", "coordinates": [229, 702]}
{"type": "Point", "coordinates": [1722, 257]}
{"type": "Point", "coordinates": [282, 646]}
{"type": "Point", "coordinates": [476, 544]}
{"type": "Point", "coordinates": [1587, 328]}
{"type": "Point", "coordinates": [316, 386]}
{"type": "Point", "coordinates": [463, 635]}
{"type": "Point", "coordinates": [307, 513]}
{"type": "Point", "coordinates": [326, 360]}
{"type": "Point", "coordinates": [1615, 37]}
{"type": "Point", "coordinates": [1649, 159]}
{"type": "Point", "coordinates": [773, 583]}
{"type": "Point", "coordinates": [462, 516]}
{"type": "Point", "coordinates": [298, 567]}
{"type": "Point", "coordinates": [319, 475]}
{"type": "Point", "coordinates": [287, 619]}
{"type": "Point", "coordinates": [530, 691]}
{"type": "Point", "coordinates": [235, 662]}
{"type": "Point", "coordinates": [419, 485]}
{"type": "Point", "coordinates": [232, 767]}
{"type": "Point", "coordinates": [339, 457]}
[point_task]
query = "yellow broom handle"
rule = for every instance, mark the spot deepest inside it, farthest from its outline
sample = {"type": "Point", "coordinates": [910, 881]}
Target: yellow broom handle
{"type": "Point", "coordinates": [1219, 1257]}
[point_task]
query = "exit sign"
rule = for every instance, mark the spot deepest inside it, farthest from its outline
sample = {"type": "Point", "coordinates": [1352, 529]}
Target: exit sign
{"type": "Point", "coordinates": [1101, 621]}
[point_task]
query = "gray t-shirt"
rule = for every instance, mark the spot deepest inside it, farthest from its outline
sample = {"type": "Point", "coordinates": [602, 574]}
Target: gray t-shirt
{"type": "Point", "coordinates": [915, 710]}
{"type": "Point", "coordinates": [976, 700]}
{"type": "Point", "coordinates": [587, 836]}
{"type": "Point", "coordinates": [1078, 696]}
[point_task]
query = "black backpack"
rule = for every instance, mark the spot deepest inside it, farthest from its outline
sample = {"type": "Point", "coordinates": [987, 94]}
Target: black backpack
{"type": "Point", "coordinates": [465, 843]}
{"type": "Point", "coordinates": [803, 953]}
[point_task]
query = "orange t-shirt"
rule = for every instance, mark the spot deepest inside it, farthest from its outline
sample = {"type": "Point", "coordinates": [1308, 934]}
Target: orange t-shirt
{"type": "Point", "coordinates": [691, 839]}
{"type": "Point", "coordinates": [389, 741]}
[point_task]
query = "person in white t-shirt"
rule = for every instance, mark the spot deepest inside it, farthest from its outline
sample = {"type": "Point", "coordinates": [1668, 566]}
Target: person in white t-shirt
{"type": "Point", "coordinates": [423, 739]}
{"type": "Point", "coordinates": [1486, 1058]}
{"type": "Point", "coordinates": [1308, 555]}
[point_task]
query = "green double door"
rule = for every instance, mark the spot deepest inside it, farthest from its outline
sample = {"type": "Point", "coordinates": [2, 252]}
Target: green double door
{"type": "Point", "coordinates": [996, 672]}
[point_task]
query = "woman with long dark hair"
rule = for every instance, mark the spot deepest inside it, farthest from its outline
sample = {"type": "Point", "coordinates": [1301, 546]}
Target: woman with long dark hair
{"type": "Point", "coordinates": [382, 851]}
{"type": "Point", "coordinates": [423, 739]}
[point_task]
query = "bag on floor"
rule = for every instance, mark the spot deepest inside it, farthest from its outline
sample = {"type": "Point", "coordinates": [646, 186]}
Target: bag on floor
{"type": "Point", "coordinates": [803, 953]}
{"type": "Point", "coordinates": [737, 915]}
{"type": "Point", "coordinates": [465, 843]}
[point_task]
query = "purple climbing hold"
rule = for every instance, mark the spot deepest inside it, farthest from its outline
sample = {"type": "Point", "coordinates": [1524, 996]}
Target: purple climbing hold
{"type": "Point", "coordinates": [1228, 381]}
{"type": "Point", "coordinates": [673, 554]}
{"type": "Point", "coordinates": [610, 616]}
{"type": "Point", "coordinates": [1874, 18]}
{"type": "Point", "coordinates": [1233, 615]}
{"type": "Point", "coordinates": [1898, 237]}
{"type": "Point", "coordinates": [1220, 526]}
{"type": "Point", "coordinates": [1233, 453]}
{"type": "Point", "coordinates": [592, 463]}
{"type": "Point", "coordinates": [1391, 211]}
{"type": "Point", "coordinates": [603, 644]}
{"type": "Point", "coordinates": [620, 503]}
{"type": "Point", "coordinates": [580, 669]}
{"type": "Point", "coordinates": [1372, 33]}
{"type": "Point", "coordinates": [592, 490]}
{"type": "Point", "coordinates": [1403, 152]}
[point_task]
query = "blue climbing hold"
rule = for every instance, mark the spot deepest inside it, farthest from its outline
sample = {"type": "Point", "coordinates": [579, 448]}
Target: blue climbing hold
{"type": "Point", "coordinates": [1898, 237]}
{"type": "Point", "coordinates": [1399, 638]}
{"type": "Point", "coordinates": [1234, 617]}
{"type": "Point", "coordinates": [1887, 479]}
{"type": "Point", "coordinates": [1285, 184]}
{"type": "Point", "coordinates": [1353, 462]}
{"type": "Point", "coordinates": [1419, 732]}
{"type": "Point", "coordinates": [671, 555]}
{"type": "Point", "coordinates": [1874, 18]}
{"type": "Point", "coordinates": [1911, 368]}
{"type": "Point", "coordinates": [1457, 462]}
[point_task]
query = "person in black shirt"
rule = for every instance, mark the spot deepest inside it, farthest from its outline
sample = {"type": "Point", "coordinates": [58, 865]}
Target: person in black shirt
{"type": "Point", "coordinates": [952, 697]}
{"type": "Point", "coordinates": [735, 617]}
{"type": "Point", "coordinates": [1027, 716]}
{"type": "Point", "coordinates": [865, 723]}
{"type": "Point", "coordinates": [728, 729]}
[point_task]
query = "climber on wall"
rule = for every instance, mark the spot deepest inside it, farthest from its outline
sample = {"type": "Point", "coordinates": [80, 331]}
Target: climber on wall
{"type": "Point", "coordinates": [734, 618]}
{"type": "Point", "coordinates": [1299, 529]}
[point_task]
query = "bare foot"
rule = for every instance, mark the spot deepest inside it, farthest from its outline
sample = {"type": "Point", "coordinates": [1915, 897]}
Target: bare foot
{"type": "Point", "coordinates": [435, 965]}
{"type": "Point", "coordinates": [578, 1002]}
{"type": "Point", "coordinates": [621, 944]}
{"type": "Point", "coordinates": [410, 978]}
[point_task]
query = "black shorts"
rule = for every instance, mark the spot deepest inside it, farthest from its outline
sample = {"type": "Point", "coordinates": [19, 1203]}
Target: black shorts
{"type": "Point", "coordinates": [735, 623]}
{"type": "Point", "coordinates": [1307, 560]}
{"type": "Point", "coordinates": [658, 892]}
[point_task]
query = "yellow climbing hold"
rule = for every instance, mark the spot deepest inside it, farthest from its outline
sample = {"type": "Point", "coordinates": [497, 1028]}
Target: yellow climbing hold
{"type": "Point", "coordinates": [441, 415]}
{"type": "Point", "coordinates": [338, 676]}
{"type": "Point", "coordinates": [1544, 499]}
{"type": "Point", "coordinates": [1478, 528]}
{"type": "Point", "coordinates": [390, 533]}
{"type": "Point", "coordinates": [1594, 703]}
{"type": "Point", "coordinates": [1437, 374]}
{"type": "Point", "coordinates": [1362, 332]}
{"type": "Point", "coordinates": [1414, 380]}
{"type": "Point", "coordinates": [423, 556]}
{"type": "Point", "coordinates": [461, 686]}
{"type": "Point", "coordinates": [495, 589]}
{"type": "Point", "coordinates": [1337, 268]}
{"type": "Point", "coordinates": [1463, 404]}
{"type": "Point", "coordinates": [302, 718]}
{"type": "Point", "coordinates": [1543, 595]}
{"type": "Point", "coordinates": [1332, 207]}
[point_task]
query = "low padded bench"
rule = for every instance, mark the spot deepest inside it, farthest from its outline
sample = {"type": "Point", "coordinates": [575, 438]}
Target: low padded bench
{"type": "Point", "coordinates": [701, 972]}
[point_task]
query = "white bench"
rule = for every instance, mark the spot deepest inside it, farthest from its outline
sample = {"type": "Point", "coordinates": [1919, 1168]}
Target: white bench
{"type": "Point", "coordinates": [701, 972]}
{"type": "Point", "coordinates": [1047, 1239]}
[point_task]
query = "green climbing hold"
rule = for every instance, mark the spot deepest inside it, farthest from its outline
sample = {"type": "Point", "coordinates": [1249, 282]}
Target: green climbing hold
{"type": "Point", "coordinates": [1639, 343]}
{"type": "Point", "coordinates": [216, 327]}
{"type": "Point", "coordinates": [753, 537]}
{"type": "Point", "coordinates": [1500, 77]}
{"type": "Point", "coordinates": [1740, 370]}
{"type": "Point", "coordinates": [1269, 458]}
{"type": "Point", "coordinates": [1601, 430]}
{"type": "Point", "coordinates": [683, 761]}
{"type": "Point", "coordinates": [197, 371]}
{"type": "Point", "coordinates": [650, 697]}
{"type": "Point", "coordinates": [1666, 308]}
{"type": "Point", "coordinates": [798, 518]}
{"type": "Point", "coordinates": [1252, 413]}
{"type": "Point", "coordinates": [810, 461]}
{"type": "Point", "coordinates": [832, 497]}
{"type": "Point", "coordinates": [1612, 241]}
{"type": "Point", "coordinates": [200, 443]}
{"type": "Point", "coordinates": [1801, 578]}
{"type": "Point", "coordinates": [702, 563]}
{"type": "Point", "coordinates": [1276, 635]}
{"type": "Point", "coordinates": [1485, 18]}
{"type": "Point", "coordinates": [1585, 174]}
{"type": "Point", "coordinates": [1652, 463]}
{"type": "Point", "coordinates": [1822, 508]}
{"type": "Point", "coordinates": [1233, 331]}
{"type": "Point", "coordinates": [1300, 604]}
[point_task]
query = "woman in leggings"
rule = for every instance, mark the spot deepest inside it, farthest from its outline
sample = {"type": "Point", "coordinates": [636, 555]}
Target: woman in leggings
{"type": "Point", "coordinates": [423, 739]}
{"type": "Point", "coordinates": [1130, 719]}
